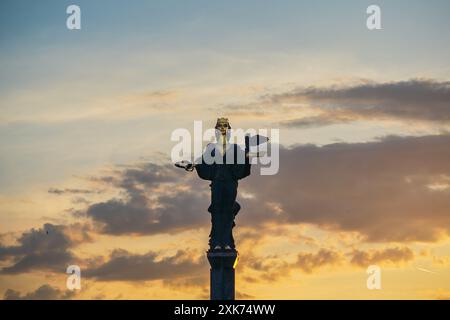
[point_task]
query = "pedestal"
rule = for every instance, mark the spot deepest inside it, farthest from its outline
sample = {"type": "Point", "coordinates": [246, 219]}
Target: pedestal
{"type": "Point", "coordinates": [222, 274]}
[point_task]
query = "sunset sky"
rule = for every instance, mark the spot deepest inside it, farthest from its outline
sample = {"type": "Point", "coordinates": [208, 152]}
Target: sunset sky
{"type": "Point", "coordinates": [86, 120]}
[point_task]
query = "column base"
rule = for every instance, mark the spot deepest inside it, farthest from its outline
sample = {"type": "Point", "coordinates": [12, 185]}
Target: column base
{"type": "Point", "coordinates": [222, 278]}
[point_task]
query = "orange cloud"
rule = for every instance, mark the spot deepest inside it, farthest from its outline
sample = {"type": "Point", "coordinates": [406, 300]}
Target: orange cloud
{"type": "Point", "coordinates": [390, 255]}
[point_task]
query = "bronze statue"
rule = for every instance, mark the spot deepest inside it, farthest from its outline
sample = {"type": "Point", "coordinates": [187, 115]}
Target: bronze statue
{"type": "Point", "coordinates": [224, 176]}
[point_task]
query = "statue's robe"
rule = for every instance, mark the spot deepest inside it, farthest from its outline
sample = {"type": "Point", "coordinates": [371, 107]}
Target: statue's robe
{"type": "Point", "coordinates": [224, 183]}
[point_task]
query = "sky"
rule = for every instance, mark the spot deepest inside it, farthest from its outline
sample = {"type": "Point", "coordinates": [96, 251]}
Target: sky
{"type": "Point", "coordinates": [87, 115]}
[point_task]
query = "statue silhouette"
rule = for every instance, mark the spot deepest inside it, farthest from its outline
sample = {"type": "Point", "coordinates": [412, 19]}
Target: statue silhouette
{"type": "Point", "coordinates": [224, 176]}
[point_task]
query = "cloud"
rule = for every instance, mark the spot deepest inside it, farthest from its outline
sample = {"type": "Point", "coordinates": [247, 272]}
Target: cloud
{"type": "Point", "coordinates": [380, 189]}
{"type": "Point", "coordinates": [148, 175]}
{"type": "Point", "coordinates": [390, 255]}
{"type": "Point", "coordinates": [243, 296]}
{"type": "Point", "coordinates": [411, 100]}
{"type": "Point", "coordinates": [271, 268]}
{"type": "Point", "coordinates": [55, 261]}
{"type": "Point", "coordinates": [325, 119]}
{"type": "Point", "coordinates": [190, 282]}
{"type": "Point", "coordinates": [124, 266]}
{"type": "Point", "coordinates": [72, 191]}
{"type": "Point", "coordinates": [46, 248]}
{"type": "Point", "coordinates": [308, 262]}
{"type": "Point", "coordinates": [135, 216]}
{"type": "Point", "coordinates": [45, 292]}
{"type": "Point", "coordinates": [145, 209]}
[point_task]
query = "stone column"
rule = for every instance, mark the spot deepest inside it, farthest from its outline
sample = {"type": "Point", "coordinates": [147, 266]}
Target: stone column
{"type": "Point", "coordinates": [222, 274]}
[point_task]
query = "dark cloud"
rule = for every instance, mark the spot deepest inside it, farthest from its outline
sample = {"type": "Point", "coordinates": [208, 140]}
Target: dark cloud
{"type": "Point", "coordinates": [124, 266]}
{"type": "Point", "coordinates": [53, 260]}
{"type": "Point", "coordinates": [323, 120]}
{"type": "Point", "coordinates": [392, 255]}
{"type": "Point", "coordinates": [395, 189]}
{"type": "Point", "coordinates": [271, 268]}
{"type": "Point", "coordinates": [308, 262]}
{"type": "Point", "coordinates": [417, 100]}
{"type": "Point", "coordinates": [72, 191]}
{"type": "Point", "coordinates": [45, 292]}
{"type": "Point", "coordinates": [183, 211]}
{"type": "Point", "coordinates": [148, 175]}
{"type": "Point", "coordinates": [48, 238]}
{"type": "Point", "coordinates": [144, 210]}
{"type": "Point", "coordinates": [46, 248]}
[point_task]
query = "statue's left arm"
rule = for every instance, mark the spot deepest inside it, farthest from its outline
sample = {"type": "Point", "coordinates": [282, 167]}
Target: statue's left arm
{"type": "Point", "coordinates": [241, 169]}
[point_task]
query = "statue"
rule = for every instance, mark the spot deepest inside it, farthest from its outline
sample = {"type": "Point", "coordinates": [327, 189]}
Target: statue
{"type": "Point", "coordinates": [224, 176]}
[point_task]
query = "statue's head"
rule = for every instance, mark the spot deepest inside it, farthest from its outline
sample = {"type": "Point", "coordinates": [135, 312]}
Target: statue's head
{"type": "Point", "coordinates": [223, 125]}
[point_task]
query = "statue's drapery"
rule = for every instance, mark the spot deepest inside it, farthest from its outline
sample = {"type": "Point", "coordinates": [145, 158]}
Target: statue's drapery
{"type": "Point", "coordinates": [224, 183]}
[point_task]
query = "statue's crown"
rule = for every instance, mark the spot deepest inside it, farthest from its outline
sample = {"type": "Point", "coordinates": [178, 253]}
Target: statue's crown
{"type": "Point", "coordinates": [223, 121]}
